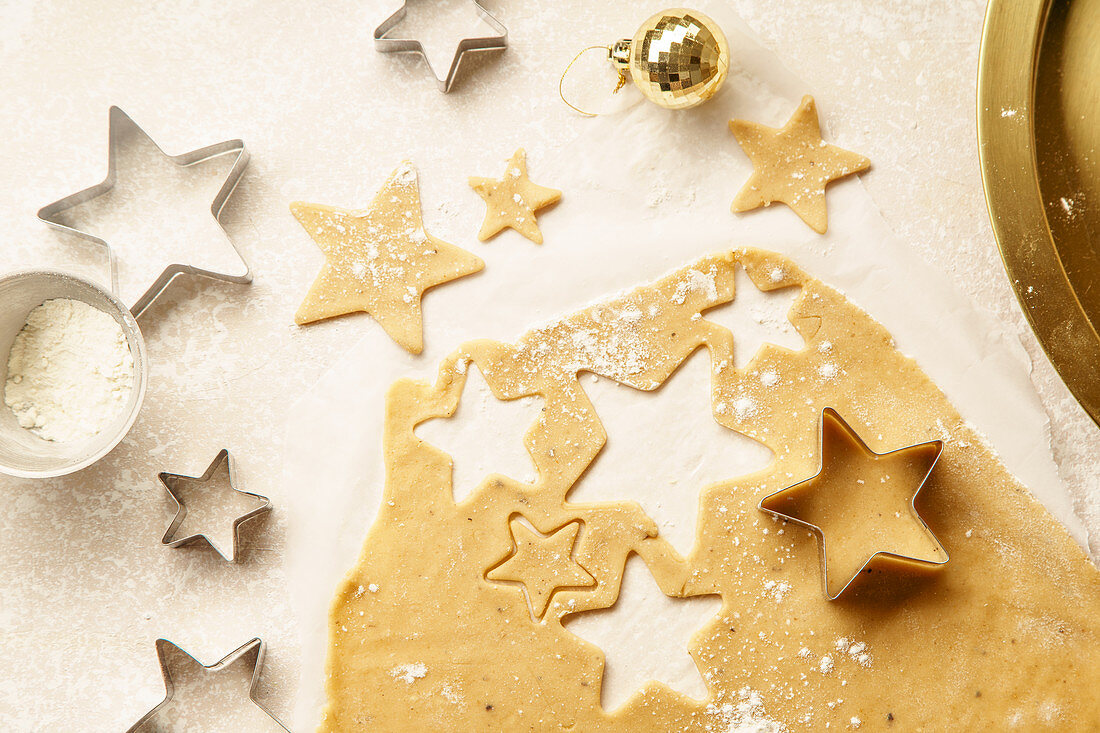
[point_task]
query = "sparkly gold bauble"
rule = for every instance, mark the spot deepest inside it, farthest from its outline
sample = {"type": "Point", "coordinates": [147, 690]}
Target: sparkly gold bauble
{"type": "Point", "coordinates": [678, 58]}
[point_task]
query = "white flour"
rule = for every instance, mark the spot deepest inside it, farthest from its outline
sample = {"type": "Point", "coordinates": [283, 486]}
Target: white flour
{"type": "Point", "coordinates": [70, 371]}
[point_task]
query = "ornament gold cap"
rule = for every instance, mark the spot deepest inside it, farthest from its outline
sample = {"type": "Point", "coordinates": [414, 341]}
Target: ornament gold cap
{"type": "Point", "coordinates": [619, 53]}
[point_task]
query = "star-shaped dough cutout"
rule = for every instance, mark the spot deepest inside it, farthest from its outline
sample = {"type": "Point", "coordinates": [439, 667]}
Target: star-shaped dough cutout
{"type": "Point", "coordinates": [543, 564]}
{"type": "Point", "coordinates": [380, 261]}
{"type": "Point", "coordinates": [862, 505]}
{"type": "Point", "coordinates": [189, 685]}
{"type": "Point", "coordinates": [513, 200]}
{"type": "Point", "coordinates": [792, 165]}
{"type": "Point", "coordinates": [204, 502]}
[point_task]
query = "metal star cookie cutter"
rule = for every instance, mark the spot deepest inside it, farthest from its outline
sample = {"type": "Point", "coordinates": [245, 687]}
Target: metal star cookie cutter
{"type": "Point", "coordinates": [497, 42]}
{"type": "Point", "coordinates": [832, 421]}
{"type": "Point", "coordinates": [164, 646]}
{"type": "Point", "coordinates": [171, 481]}
{"type": "Point", "coordinates": [119, 125]}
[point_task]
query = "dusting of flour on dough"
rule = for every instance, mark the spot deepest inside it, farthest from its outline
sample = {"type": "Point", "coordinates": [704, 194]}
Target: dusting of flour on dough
{"type": "Point", "coordinates": [777, 590]}
{"type": "Point", "coordinates": [409, 673]}
{"type": "Point", "coordinates": [696, 282]}
{"type": "Point", "coordinates": [746, 714]}
{"type": "Point", "coordinates": [448, 692]}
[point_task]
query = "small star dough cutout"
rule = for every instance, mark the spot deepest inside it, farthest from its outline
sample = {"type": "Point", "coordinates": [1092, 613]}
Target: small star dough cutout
{"type": "Point", "coordinates": [543, 564]}
{"type": "Point", "coordinates": [513, 200]}
{"type": "Point", "coordinates": [379, 261]}
{"type": "Point", "coordinates": [861, 504]}
{"type": "Point", "coordinates": [792, 165]}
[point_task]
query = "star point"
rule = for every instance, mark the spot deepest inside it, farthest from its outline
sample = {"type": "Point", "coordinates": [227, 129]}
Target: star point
{"type": "Point", "coordinates": [861, 504]}
{"type": "Point", "coordinates": [543, 564]}
{"type": "Point", "coordinates": [380, 260]}
{"type": "Point", "coordinates": [511, 201]}
{"type": "Point", "coordinates": [792, 165]}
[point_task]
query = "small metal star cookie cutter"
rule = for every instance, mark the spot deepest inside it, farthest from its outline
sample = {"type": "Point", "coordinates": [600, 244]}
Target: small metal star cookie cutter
{"type": "Point", "coordinates": [164, 647]}
{"type": "Point", "coordinates": [171, 482]}
{"type": "Point", "coordinates": [119, 125]}
{"type": "Point", "coordinates": [385, 44]}
{"type": "Point", "coordinates": [831, 420]}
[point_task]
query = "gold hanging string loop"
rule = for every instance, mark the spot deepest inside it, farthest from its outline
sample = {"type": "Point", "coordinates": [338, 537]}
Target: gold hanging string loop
{"type": "Point", "coordinates": [561, 79]}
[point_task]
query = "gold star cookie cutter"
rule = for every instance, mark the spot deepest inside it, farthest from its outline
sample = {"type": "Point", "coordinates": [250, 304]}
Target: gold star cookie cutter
{"type": "Point", "coordinates": [171, 656]}
{"type": "Point", "coordinates": [172, 482]}
{"type": "Point", "coordinates": [384, 43]}
{"type": "Point", "coordinates": [834, 428]}
{"type": "Point", "coordinates": [120, 126]}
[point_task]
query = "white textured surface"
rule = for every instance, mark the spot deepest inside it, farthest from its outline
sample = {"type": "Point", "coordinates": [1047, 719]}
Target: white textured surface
{"type": "Point", "coordinates": [85, 587]}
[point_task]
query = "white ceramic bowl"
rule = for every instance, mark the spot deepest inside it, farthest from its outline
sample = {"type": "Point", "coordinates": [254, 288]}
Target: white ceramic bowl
{"type": "Point", "coordinates": [23, 453]}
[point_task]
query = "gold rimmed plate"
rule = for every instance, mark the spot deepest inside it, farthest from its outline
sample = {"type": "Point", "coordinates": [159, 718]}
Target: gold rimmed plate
{"type": "Point", "coordinates": [1039, 143]}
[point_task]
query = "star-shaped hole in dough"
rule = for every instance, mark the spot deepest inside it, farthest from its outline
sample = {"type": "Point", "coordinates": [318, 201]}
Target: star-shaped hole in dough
{"type": "Point", "coordinates": [210, 508]}
{"type": "Point", "coordinates": [513, 200]}
{"type": "Point", "coordinates": [861, 505]}
{"type": "Point", "coordinates": [645, 636]}
{"type": "Point", "coordinates": [542, 563]}
{"type": "Point", "coordinates": [660, 449]}
{"type": "Point", "coordinates": [380, 261]}
{"type": "Point", "coordinates": [792, 165]}
{"type": "Point", "coordinates": [756, 317]}
{"type": "Point", "coordinates": [484, 436]}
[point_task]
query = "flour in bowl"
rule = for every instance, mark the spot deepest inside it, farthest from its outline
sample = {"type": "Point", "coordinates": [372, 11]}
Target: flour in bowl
{"type": "Point", "coordinates": [70, 371]}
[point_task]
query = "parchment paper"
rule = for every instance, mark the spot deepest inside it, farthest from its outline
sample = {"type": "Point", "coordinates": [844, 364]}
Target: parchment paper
{"type": "Point", "coordinates": [645, 190]}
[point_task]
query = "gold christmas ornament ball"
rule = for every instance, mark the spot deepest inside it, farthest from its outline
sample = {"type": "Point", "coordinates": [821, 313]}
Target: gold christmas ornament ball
{"type": "Point", "coordinates": [678, 58]}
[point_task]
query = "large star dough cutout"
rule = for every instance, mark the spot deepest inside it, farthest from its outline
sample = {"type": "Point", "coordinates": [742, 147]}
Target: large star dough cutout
{"type": "Point", "coordinates": [379, 261]}
{"type": "Point", "coordinates": [792, 165]}
{"type": "Point", "coordinates": [513, 200]}
{"type": "Point", "coordinates": [542, 563]}
{"type": "Point", "coordinates": [862, 505]}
